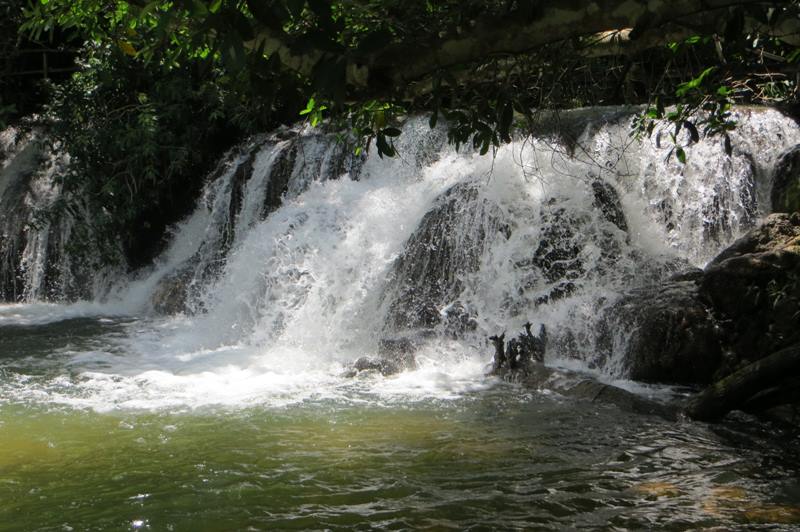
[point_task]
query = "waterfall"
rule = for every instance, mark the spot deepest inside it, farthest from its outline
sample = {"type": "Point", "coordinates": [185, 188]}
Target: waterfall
{"type": "Point", "coordinates": [34, 262]}
{"type": "Point", "coordinates": [301, 257]}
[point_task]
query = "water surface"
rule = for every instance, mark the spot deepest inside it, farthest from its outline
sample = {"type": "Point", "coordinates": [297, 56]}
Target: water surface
{"type": "Point", "coordinates": [357, 454]}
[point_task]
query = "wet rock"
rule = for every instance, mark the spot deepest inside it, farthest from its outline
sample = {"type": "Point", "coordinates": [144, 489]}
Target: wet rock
{"type": "Point", "coordinates": [728, 211]}
{"type": "Point", "coordinates": [447, 246]}
{"type": "Point", "coordinates": [42, 255]}
{"type": "Point", "coordinates": [771, 381]}
{"type": "Point", "coordinates": [395, 355]}
{"type": "Point", "coordinates": [692, 274]}
{"type": "Point", "coordinates": [753, 288]}
{"type": "Point", "coordinates": [662, 334]}
{"type": "Point", "coordinates": [21, 162]}
{"type": "Point", "coordinates": [171, 294]}
{"type": "Point", "coordinates": [557, 259]}
{"type": "Point", "coordinates": [786, 182]}
{"type": "Point", "coordinates": [398, 348]}
{"type": "Point", "coordinates": [699, 326]}
{"type": "Point", "coordinates": [384, 366]}
{"type": "Point", "coordinates": [607, 200]}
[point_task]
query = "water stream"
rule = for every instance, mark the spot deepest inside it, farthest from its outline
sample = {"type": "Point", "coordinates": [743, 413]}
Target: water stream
{"type": "Point", "coordinates": [210, 391]}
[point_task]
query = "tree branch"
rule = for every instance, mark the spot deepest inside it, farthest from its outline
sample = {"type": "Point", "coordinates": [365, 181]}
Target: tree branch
{"type": "Point", "coordinates": [514, 35]}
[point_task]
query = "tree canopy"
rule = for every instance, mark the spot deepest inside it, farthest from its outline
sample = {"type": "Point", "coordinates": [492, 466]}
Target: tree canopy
{"type": "Point", "coordinates": [477, 62]}
{"type": "Point", "coordinates": [157, 88]}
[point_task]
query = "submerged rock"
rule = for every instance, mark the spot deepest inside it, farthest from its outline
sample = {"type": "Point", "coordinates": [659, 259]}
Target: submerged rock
{"type": "Point", "coordinates": [583, 388]}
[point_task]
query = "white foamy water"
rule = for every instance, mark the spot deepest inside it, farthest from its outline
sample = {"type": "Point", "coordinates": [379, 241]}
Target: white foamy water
{"type": "Point", "coordinates": [284, 301]}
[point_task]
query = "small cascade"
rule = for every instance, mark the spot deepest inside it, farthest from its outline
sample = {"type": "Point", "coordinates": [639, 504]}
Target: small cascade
{"type": "Point", "coordinates": [249, 184]}
{"type": "Point", "coordinates": [35, 264]}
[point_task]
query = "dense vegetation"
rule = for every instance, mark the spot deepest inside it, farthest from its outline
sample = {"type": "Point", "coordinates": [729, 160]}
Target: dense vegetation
{"type": "Point", "coordinates": [161, 87]}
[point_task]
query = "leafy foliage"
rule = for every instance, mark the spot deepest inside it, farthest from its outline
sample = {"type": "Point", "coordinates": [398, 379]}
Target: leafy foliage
{"type": "Point", "coordinates": [165, 85]}
{"type": "Point", "coordinates": [140, 137]}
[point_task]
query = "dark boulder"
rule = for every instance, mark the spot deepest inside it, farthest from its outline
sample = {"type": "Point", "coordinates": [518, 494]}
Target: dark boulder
{"type": "Point", "coordinates": [698, 327]}
{"type": "Point", "coordinates": [769, 382]}
{"type": "Point", "coordinates": [753, 288]}
{"type": "Point", "coordinates": [786, 182]}
{"type": "Point", "coordinates": [661, 334]}
{"type": "Point", "coordinates": [380, 365]}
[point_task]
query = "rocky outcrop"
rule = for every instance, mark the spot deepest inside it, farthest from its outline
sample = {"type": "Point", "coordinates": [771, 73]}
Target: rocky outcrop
{"type": "Point", "coordinates": [753, 288]}
{"type": "Point", "coordinates": [770, 381]}
{"type": "Point", "coordinates": [786, 182]}
{"type": "Point", "coordinates": [706, 326]}
{"type": "Point", "coordinates": [21, 159]}
{"type": "Point", "coordinates": [703, 325]}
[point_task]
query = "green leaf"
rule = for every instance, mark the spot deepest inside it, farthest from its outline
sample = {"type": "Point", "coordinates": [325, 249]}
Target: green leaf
{"type": "Point", "coordinates": [684, 88]}
{"type": "Point", "coordinates": [391, 132]}
{"type": "Point", "coordinates": [383, 147]}
{"type": "Point", "coordinates": [309, 106]}
{"type": "Point", "coordinates": [485, 145]}
{"type": "Point", "coordinates": [681, 155]}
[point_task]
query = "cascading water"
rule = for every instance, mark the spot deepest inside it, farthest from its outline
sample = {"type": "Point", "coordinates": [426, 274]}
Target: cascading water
{"type": "Point", "coordinates": [301, 257]}
{"type": "Point", "coordinates": [35, 263]}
